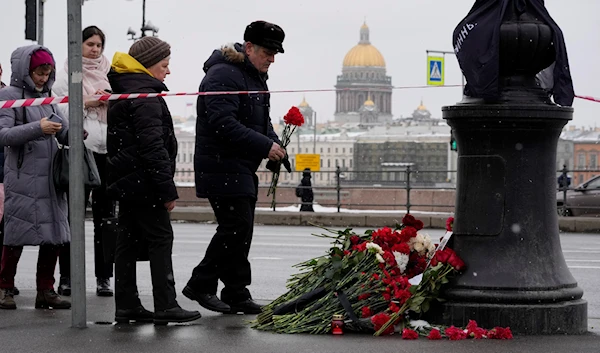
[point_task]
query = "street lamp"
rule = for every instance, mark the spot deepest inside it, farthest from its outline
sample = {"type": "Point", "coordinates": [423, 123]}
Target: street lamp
{"type": "Point", "coordinates": [145, 26]}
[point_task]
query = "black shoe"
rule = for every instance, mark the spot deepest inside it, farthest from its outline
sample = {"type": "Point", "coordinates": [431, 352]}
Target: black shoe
{"type": "Point", "coordinates": [64, 287]}
{"type": "Point", "coordinates": [247, 306]}
{"type": "Point", "coordinates": [16, 291]}
{"type": "Point", "coordinates": [207, 301]}
{"type": "Point", "coordinates": [47, 298]}
{"type": "Point", "coordinates": [175, 314]}
{"type": "Point", "coordinates": [139, 314]}
{"type": "Point", "coordinates": [103, 287]}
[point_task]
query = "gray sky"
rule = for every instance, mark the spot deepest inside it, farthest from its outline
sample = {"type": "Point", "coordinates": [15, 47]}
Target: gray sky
{"type": "Point", "coordinates": [318, 35]}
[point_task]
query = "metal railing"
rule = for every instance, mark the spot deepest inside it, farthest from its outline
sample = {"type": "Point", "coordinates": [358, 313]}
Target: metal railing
{"type": "Point", "coordinates": [331, 188]}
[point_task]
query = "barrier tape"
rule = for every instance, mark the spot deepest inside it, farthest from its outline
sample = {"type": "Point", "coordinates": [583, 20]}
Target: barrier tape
{"type": "Point", "coordinates": [589, 98]}
{"type": "Point", "coordinates": [32, 102]}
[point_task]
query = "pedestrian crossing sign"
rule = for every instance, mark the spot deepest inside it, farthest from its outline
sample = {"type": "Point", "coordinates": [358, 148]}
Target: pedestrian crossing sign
{"type": "Point", "coordinates": [435, 70]}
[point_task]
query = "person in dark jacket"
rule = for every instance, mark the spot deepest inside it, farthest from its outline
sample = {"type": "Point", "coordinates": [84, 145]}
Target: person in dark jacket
{"type": "Point", "coordinates": [141, 164]}
{"type": "Point", "coordinates": [233, 136]}
{"type": "Point", "coordinates": [305, 192]}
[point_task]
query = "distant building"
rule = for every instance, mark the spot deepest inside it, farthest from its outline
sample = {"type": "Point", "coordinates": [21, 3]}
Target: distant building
{"type": "Point", "coordinates": [363, 79]}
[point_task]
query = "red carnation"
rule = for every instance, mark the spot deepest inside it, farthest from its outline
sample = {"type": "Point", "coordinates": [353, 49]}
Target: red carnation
{"type": "Point", "coordinates": [409, 334]}
{"type": "Point", "coordinates": [366, 312]}
{"type": "Point", "coordinates": [402, 295]}
{"type": "Point", "coordinates": [402, 248]}
{"type": "Point", "coordinates": [474, 331]}
{"type": "Point", "coordinates": [455, 334]}
{"type": "Point", "coordinates": [455, 261]}
{"type": "Point", "coordinates": [360, 247]}
{"type": "Point", "coordinates": [346, 252]}
{"type": "Point", "coordinates": [389, 258]}
{"type": "Point", "coordinates": [410, 220]}
{"type": "Point", "coordinates": [406, 233]}
{"type": "Point", "coordinates": [387, 296]}
{"type": "Point", "coordinates": [355, 239]}
{"type": "Point", "coordinates": [364, 296]}
{"type": "Point", "coordinates": [379, 320]}
{"type": "Point", "coordinates": [500, 333]}
{"type": "Point", "coordinates": [376, 276]}
{"type": "Point", "coordinates": [449, 224]}
{"type": "Point", "coordinates": [294, 117]}
{"type": "Point", "coordinates": [435, 334]}
{"type": "Point", "coordinates": [394, 307]}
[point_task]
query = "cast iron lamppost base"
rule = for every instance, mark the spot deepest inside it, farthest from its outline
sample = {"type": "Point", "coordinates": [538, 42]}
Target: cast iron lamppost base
{"type": "Point", "coordinates": [506, 226]}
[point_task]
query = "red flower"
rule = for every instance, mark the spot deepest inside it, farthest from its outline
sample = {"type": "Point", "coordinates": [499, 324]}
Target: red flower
{"type": "Point", "coordinates": [346, 252]}
{"type": "Point", "coordinates": [455, 334]}
{"type": "Point", "coordinates": [387, 297]}
{"type": "Point", "coordinates": [355, 239]}
{"type": "Point", "coordinates": [402, 248]}
{"type": "Point", "coordinates": [394, 307]}
{"type": "Point", "coordinates": [406, 233]}
{"type": "Point", "coordinates": [500, 333]}
{"type": "Point", "coordinates": [379, 320]}
{"type": "Point", "coordinates": [294, 117]}
{"type": "Point", "coordinates": [402, 295]}
{"type": "Point", "coordinates": [449, 224]}
{"type": "Point", "coordinates": [474, 331]}
{"type": "Point", "coordinates": [364, 296]}
{"type": "Point", "coordinates": [435, 334]}
{"type": "Point", "coordinates": [455, 261]}
{"type": "Point", "coordinates": [410, 220]}
{"type": "Point", "coordinates": [360, 247]}
{"type": "Point", "coordinates": [389, 259]}
{"type": "Point", "coordinates": [376, 276]}
{"type": "Point", "coordinates": [366, 312]}
{"type": "Point", "coordinates": [409, 334]}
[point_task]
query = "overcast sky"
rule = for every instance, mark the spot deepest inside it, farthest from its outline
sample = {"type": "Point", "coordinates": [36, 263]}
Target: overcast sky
{"type": "Point", "coordinates": [318, 35]}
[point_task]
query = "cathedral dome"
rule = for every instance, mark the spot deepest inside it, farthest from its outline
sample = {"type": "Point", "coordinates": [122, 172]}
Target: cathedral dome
{"type": "Point", "coordinates": [364, 53]}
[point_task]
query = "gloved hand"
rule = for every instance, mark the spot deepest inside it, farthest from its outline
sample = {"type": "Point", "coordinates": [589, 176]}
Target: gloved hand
{"type": "Point", "coordinates": [273, 166]}
{"type": "Point", "coordinates": [286, 163]}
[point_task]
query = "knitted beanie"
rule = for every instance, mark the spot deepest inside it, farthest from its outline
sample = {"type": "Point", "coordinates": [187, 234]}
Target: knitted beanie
{"type": "Point", "coordinates": [149, 51]}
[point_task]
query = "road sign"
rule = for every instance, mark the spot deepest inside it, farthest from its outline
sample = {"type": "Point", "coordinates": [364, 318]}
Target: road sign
{"type": "Point", "coordinates": [435, 70]}
{"type": "Point", "coordinates": [312, 161]}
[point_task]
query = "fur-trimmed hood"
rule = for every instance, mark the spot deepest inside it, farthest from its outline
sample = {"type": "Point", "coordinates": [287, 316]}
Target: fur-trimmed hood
{"type": "Point", "coordinates": [232, 54]}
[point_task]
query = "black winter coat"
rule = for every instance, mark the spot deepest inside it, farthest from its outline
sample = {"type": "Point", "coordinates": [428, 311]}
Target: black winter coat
{"type": "Point", "coordinates": [141, 143]}
{"type": "Point", "coordinates": [233, 132]}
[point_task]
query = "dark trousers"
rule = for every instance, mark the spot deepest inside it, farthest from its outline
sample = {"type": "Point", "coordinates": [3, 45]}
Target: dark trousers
{"type": "Point", "coordinates": [152, 223]}
{"type": "Point", "coordinates": [226, 258]}
{"type": "Point", "coordinates": [45, 266]}
{"type": "Point", "coordinates": [102, 207]}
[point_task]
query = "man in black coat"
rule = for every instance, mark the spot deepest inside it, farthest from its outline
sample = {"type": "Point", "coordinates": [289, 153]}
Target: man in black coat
{"type": "Point", "coordinates": [233, 135]}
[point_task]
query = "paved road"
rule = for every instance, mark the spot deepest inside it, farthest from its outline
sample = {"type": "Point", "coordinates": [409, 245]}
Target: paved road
{"type": "Point", "coordinates": [275, 250]}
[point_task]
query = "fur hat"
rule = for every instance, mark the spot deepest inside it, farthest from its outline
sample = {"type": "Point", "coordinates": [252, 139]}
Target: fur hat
{"type": "Point", "coordinates": [149, 51]}
{"type": "Point", "coordinates": [266, 35]}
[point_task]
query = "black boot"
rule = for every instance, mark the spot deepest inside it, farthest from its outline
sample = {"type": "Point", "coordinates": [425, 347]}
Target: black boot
{"type": "Point", "coordinates": [207, 301]}
{"type": "Point", "coordinates": [176, 314]}
{"type": "Point", "coordinates": [139, 314]}
{"type": "Point", "coordinates": [103, 287]}
{"type": "Point", "coordinates": [64, 286]}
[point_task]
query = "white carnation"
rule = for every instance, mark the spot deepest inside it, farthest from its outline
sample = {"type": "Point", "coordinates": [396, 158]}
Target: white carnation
{"type": "Point", "coordinates": [379, 258]}
{"type": "Point", "coordinates": [401, 260]}
{"type": "Point", "coordinates": [376, 247]}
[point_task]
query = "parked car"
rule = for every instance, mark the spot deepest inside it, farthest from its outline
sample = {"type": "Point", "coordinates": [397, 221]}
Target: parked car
{"type": "Point", "coordinates": [583, 200]}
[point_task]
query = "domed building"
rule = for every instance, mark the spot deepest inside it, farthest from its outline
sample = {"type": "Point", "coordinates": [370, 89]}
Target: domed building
{"type": "Point", "coordinates": [363, 76]}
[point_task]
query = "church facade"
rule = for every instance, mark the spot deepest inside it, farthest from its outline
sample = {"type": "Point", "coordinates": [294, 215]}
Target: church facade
{"type": "Point", "coordinates": [363, 90]}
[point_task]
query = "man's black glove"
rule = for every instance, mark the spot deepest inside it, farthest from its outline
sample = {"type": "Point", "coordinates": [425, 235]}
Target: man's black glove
{"type": "Point", "coordinates": [276, 166]}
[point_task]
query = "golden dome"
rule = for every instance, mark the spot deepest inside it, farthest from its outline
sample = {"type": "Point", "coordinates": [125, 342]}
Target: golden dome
{"type": "Point", "coordinates": [303, 104]}
{"type": "Point", "coordinates": [422, 107]}
{"type": "Point", "coordinates": [364, 54]}
{"type": "Point", "coordinates": [369, 103]}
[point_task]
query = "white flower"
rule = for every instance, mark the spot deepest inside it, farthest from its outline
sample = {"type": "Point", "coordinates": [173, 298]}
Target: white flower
{"type": "Point", "coordinates": [419, 247]}
{"type": "Point", "coordinates": [401, 260]}
{"type": "Point", "coordinates": [376, 247]}
{"type": "Point", "coordinates": [379, 258]}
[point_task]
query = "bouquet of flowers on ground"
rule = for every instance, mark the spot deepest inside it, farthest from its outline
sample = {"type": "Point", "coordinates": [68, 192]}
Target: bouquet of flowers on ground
{"type": "Point", "coordinates": [292, 119]}
{"type": "Point", "coordinates": [367, 279]}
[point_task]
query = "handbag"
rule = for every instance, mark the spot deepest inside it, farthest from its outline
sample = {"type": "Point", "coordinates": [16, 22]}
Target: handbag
{"type": "Point", "coordinates": [60, 169]}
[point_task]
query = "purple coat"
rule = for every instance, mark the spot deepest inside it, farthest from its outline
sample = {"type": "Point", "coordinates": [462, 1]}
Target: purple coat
{"type": "Point", "coordinates": [34, 212]}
